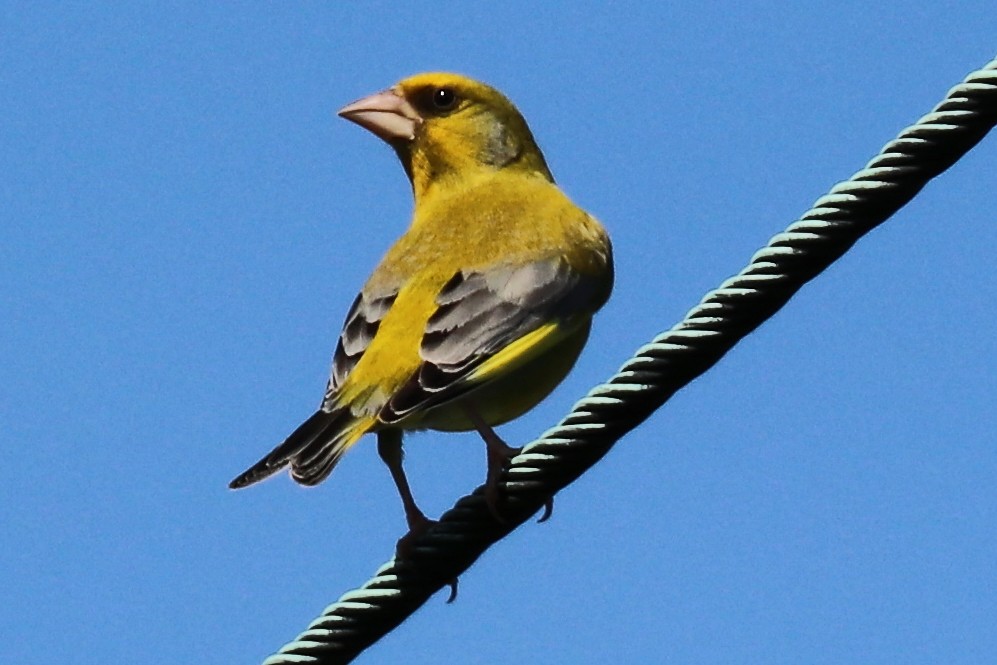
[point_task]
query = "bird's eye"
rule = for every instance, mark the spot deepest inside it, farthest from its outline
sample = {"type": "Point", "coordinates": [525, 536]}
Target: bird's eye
{"type": "Point", "coordinates": [444, 99]}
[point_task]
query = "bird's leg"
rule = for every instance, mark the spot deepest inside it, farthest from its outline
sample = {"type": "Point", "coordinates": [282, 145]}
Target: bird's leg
{"type": "Point", "coordinates": [389, 447]}
{"type": "Point", "coordinates": [499, 455]}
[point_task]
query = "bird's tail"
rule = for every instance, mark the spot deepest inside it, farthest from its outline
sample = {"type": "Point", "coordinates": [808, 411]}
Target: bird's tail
{"type": "Point", "coordinates": [312, 450]}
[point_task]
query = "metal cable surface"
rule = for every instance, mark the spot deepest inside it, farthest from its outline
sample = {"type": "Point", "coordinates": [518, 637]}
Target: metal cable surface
{"type": "Point", "coordinates": [674, 358]}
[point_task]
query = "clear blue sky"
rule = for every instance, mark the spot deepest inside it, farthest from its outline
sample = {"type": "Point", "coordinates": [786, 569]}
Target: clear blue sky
{"type": "Point", "coordinates": [184, 222]}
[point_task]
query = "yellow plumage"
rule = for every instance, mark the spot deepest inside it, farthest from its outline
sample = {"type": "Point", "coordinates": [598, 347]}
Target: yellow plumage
{"type": "Point", "coordinates": [480, 309]}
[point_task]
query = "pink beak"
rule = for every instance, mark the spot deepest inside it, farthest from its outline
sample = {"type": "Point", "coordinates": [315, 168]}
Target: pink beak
{"type": "Point", "coordinates": [386, 114]}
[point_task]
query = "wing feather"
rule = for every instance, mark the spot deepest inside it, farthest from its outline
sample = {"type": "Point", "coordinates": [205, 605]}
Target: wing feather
{"type": "Point", "coordinates": [359, 330]}
{"type": "Point", "coordinates": [480, 313]}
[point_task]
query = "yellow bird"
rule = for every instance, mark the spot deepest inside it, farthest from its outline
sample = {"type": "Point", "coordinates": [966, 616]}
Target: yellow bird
{"type": "Point", "coordinates": [478, 311]}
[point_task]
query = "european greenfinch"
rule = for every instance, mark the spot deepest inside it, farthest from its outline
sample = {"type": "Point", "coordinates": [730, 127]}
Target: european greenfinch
{"type": "Point", "coordinates": [478, 311]}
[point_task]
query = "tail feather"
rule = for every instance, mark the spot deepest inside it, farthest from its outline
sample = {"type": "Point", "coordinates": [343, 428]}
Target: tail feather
{"type": "Point", "coordinates": [324, 430]}
{"type": "Point", "coordinates": [317, 460]}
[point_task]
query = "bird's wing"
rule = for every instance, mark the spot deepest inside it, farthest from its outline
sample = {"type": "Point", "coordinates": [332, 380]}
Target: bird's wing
{"type": "Point", "coordinates": [479, 316]}
{"type": "Point", "coordinates": [359, 329]}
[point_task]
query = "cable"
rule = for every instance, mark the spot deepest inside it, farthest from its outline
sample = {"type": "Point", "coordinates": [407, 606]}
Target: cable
{"type": "Point", "coordinates": [674, 358]}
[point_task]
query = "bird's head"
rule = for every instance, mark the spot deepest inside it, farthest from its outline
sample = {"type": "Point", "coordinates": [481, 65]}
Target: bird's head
{"type": "Point", "coordinates": [447, 126]}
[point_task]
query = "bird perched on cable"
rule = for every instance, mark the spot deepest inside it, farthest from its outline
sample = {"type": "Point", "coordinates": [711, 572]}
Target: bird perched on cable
{"type": "Point", "coordinates": [478, 311]}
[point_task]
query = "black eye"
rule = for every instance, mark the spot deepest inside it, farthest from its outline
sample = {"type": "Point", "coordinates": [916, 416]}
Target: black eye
{"type": "Point", "coordinates": [444, 99]}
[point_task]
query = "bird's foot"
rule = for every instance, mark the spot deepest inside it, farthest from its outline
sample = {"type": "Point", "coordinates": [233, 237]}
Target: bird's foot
{"type": "Point", "coordinates": [499, 456]}
{"type": "Point", "coordinates": [417, 525]}
{"type": "Point", "coordinates": [404, 548]}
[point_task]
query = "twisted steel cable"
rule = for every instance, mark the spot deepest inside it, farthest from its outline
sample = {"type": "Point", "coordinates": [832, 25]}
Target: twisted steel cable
{"type": "Point", "coordinates": [674, 358]}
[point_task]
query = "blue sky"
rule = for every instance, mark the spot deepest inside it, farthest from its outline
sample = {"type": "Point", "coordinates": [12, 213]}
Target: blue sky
{"type": "Point", "coordinates": [185, 221]}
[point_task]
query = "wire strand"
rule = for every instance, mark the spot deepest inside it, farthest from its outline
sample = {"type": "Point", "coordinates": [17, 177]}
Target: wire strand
{"type": "Point", "coordinates": [657, 370]}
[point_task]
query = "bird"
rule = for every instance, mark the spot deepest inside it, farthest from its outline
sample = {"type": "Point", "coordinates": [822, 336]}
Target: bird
{"type": "Point", "coordinates": [478, 311]}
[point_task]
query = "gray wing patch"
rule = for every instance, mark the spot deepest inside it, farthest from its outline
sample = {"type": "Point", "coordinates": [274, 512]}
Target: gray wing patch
{"type": "Point", "coordinates": [478, 314]}
{"type": "Point", "coordinates": [359, 329]}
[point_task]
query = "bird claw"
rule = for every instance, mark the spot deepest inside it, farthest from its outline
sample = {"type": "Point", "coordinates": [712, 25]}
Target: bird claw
{"type": "Point", "coordinates": [548, 510]}
{"type": "Point", "coordinates": [492, 499]}
{"type": "Point", "coordinates": [453, 590]}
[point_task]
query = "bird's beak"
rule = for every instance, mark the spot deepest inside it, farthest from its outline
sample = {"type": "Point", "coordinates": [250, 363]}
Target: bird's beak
{"type": "Point", "coordinates": [387, 114]}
